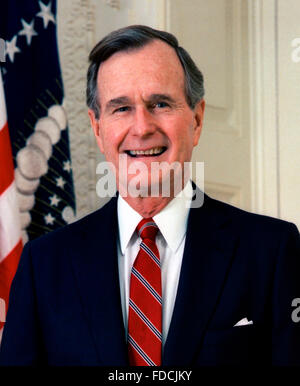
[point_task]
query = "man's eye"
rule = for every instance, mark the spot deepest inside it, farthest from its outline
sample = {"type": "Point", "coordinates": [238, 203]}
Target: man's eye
{"type": "Point", "coordinates": [161, 104]}
{"type": "Point", "coordinates": [121, 109]}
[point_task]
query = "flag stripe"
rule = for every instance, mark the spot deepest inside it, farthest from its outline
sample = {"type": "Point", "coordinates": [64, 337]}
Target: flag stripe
{"type": "Point", "coordinates": [8, 269]}
{"type": "Point", "coordinates": [10, 233]}
{"type": "Point", "coordinates": [10, 230]}
{"type": "Point", "coordinates": [6, 163]}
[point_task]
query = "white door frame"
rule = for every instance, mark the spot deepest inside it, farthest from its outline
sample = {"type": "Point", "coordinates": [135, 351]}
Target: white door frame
{"type": "Point", "coordinates": [263, 73]}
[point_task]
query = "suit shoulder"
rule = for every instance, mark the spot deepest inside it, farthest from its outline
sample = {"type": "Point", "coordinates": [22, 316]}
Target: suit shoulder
{"type": "Point", "coordinates": [68, 233]}
{"type": "Point", "coordinates": [251, 221]}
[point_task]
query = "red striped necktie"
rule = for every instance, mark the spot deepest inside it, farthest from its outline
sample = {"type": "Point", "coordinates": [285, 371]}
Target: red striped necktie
{"type": "Point", "coordinates": [145, 310]}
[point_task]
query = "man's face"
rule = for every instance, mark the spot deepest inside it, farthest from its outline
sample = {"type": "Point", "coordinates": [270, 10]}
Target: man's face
{"type": "Point", "coordinates": [143, 108]}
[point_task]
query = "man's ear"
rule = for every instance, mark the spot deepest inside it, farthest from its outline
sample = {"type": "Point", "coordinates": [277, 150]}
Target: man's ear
{"type": "Point", "coordinates": [199, 115]}
{"type": "Point", "coordinates": [96, 128]}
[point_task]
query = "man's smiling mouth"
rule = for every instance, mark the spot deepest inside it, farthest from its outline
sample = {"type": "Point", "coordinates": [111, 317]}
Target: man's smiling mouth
{"type": "Point", "coordinates": [153, 152]}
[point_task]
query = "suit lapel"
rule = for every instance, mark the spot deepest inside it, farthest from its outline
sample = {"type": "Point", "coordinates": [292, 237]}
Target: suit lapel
{"type": "Point", "coordinates": [95, 266]}
{"type": "Point", "coordinates": [209, 250]}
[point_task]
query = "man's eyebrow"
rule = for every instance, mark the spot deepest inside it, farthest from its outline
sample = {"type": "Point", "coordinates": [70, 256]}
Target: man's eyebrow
{"type": "Point", "coordinates": [161, 97]}
{"type": "Point", "coordinates": [117, 102]}
{"type": "Point", "coordinates": [124, 100]}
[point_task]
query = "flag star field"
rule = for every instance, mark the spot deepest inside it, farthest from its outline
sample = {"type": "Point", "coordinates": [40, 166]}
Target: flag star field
{"type": "Point", "coordinates": [36, 116]}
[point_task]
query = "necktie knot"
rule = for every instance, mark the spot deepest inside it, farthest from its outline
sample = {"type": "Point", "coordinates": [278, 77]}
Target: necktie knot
{"type": "Point", "coordinates": [147, 229]}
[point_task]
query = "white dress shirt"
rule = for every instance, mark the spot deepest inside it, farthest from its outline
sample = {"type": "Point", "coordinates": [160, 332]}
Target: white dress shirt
{"type": "Point", "coordinates": [170, 241]}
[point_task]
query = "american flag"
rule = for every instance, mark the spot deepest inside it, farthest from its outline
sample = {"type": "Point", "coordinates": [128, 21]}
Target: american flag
{"type": "Point", "coordinates": [38, 161]}
{"type": "Point", "coordinates": [10, 229]}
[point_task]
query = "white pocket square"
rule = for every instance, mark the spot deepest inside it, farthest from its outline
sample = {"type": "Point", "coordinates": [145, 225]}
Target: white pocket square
{"type": "Point", "coordinates": [243, 322]}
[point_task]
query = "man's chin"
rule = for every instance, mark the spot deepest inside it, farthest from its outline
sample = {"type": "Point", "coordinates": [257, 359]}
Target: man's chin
{"type": "Point", "coordinates": [134, 188]}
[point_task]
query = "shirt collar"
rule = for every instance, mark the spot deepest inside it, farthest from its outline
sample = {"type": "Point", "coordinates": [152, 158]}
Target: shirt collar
{"type": "Point", "coordinates": [171, 220]}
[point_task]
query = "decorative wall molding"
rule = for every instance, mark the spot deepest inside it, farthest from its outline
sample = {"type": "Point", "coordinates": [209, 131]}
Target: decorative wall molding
{"type": "Point", "coordinates": [263, 73]}
{"type": "Point", "coordinates": [76, 26]}
{"type": "Point", "coordinates": [228, 120]}
{"type": "Point", "coordinates": [163, 15]}
{"type": "Point", "coordinates": [113, 3]}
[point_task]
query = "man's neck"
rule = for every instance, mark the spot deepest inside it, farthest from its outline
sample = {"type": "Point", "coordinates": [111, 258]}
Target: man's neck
{"type": "Point", "coordinates": [150, 206]}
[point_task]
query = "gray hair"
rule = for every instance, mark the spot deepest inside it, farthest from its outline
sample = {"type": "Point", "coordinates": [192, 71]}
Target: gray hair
{"type": "Point", "coordinates": [133, 38]}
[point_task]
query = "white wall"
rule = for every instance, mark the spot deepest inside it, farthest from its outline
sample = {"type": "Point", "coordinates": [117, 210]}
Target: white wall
{"type": "Point", "coordinates": [288, 72]}
{"type": "Point", "coordinates": [275, 108]}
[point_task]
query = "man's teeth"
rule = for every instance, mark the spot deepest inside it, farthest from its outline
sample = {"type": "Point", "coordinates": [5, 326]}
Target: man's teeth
{"type": "Point", "coordinates": [153, 151]}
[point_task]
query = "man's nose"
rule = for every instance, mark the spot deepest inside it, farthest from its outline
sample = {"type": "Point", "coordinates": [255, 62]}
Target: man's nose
{"type": "Point", "coordinates": [144, 122]}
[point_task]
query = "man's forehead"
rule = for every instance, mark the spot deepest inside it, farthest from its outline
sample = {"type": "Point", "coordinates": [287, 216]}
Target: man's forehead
{"type": "Point", "coordinates": [155, 53]}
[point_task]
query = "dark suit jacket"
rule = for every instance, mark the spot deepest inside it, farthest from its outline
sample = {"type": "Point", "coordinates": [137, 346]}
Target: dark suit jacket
{"type": "Point", "coordinates": [65, 306]}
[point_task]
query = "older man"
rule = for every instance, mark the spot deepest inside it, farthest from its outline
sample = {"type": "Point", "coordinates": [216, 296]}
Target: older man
{"type": "Point", "coordinates": [147, 279]}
